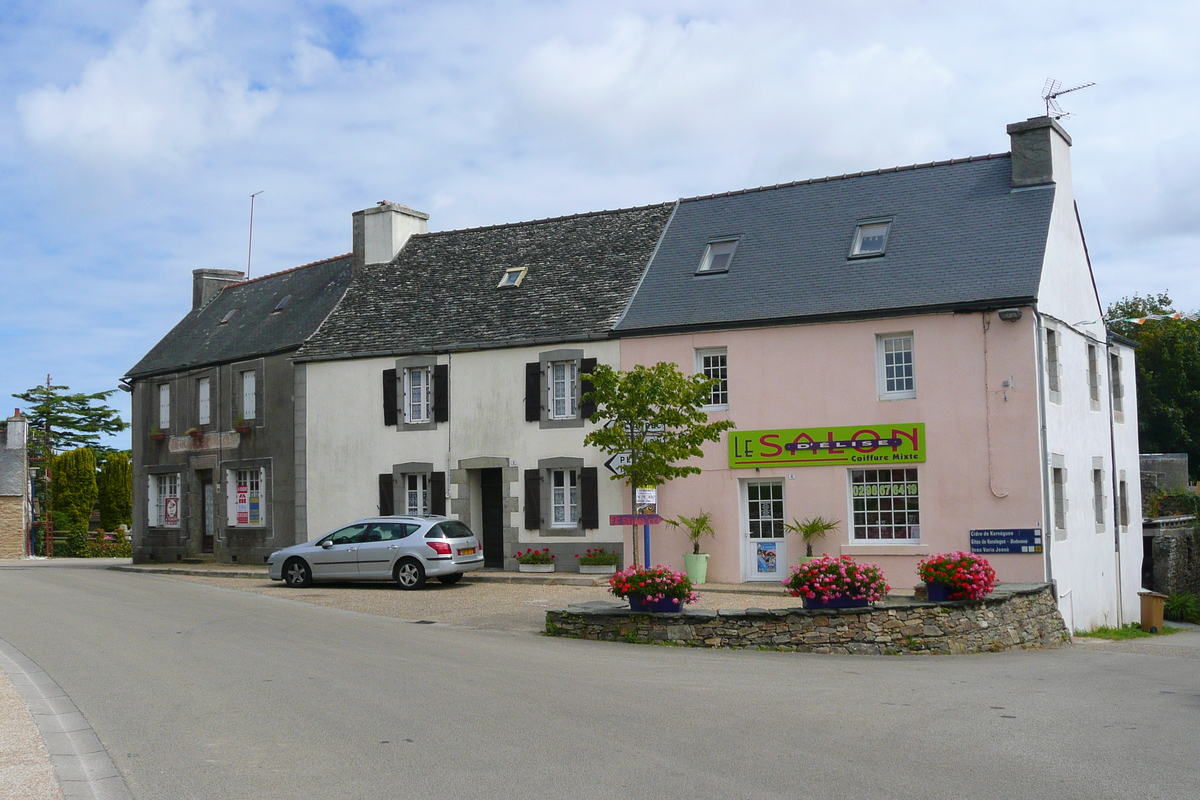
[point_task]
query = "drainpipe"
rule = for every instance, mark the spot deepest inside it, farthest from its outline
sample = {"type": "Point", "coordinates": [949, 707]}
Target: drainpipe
{"type": "Point", "coordinates": [1112, 443]}
{"type": "Point", "coordinates": [1044, 454]}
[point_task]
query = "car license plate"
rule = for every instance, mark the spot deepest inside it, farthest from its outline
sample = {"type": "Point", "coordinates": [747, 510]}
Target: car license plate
{"type": "Point", "coordinates": [467, 551]}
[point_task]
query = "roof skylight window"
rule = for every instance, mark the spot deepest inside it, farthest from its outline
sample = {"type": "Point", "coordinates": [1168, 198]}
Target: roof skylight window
{"type": "Point", "coordinates": [282, 304]}
{"type": "Point", "coordinates": [717, 257]}
{"type": "Point", "coordinates": [512, 277]}
{"type": "Point", "coordinates": [870, 239]}
{"type": "Point", "coordinates": [228, 316]}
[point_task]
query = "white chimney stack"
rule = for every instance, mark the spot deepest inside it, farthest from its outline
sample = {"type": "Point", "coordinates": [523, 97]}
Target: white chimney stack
{"type": "Point", "coordinates": [381, 232]}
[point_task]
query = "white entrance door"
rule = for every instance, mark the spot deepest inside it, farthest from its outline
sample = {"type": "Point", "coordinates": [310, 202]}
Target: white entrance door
{"type": "Point", "coordinates": [764, 549]}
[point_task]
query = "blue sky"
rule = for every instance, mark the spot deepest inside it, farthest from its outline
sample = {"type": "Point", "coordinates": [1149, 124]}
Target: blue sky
{"type": "Point", "coordinates": [134, 132]}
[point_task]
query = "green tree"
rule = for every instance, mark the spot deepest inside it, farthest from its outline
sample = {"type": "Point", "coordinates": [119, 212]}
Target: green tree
{"type": "Point", "coordinates": [59, 420]}
{"type": "Point", "coordinates": [1168, 375]}
{"type": "Point", "coordinates": [74, 495]}
{"type": "Point", "coordinates": [115, 486]}
{"type": "Point", "coordinates": [655, 416]}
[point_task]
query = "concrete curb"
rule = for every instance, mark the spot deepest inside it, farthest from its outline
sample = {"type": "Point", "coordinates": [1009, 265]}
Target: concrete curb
{"type": "Point", "coordinates": [83, 766]}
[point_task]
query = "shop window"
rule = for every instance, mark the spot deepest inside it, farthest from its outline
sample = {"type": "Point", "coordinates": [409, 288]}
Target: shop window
{"type": "Point", "coordinates": [163, 500]}
{"type": "Point", "coordinates": [246, 497]}
{"type": "Point", "coordinates": [886, 505]}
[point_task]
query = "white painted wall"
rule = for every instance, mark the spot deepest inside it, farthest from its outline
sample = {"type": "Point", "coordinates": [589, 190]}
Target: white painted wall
{"type": "Point", "coordinates": [349, 446]}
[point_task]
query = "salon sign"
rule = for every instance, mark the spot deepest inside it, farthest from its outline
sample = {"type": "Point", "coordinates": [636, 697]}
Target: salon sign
{"type": "Point", "coordinates": [848, 445]}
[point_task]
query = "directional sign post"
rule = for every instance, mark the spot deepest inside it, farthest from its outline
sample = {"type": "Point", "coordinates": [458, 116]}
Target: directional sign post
{"type": "Point", "coordinates": [618, 461]}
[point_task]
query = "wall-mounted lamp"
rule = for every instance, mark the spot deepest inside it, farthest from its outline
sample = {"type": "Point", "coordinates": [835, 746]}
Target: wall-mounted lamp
{"type": "Point", "coordinates": [1010, 314]}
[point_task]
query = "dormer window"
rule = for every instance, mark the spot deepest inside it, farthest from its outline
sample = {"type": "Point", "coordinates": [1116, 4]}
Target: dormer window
{"type": "Point", "coordinates": [717, 256]}
{"type": "Point", "coordinates": [228, 316]}
{"type": "Point", "coordinates": [282, 304]}
{"type": "Point", "coordinates": [512, 277]}
{"type": "Point", "coordinates": [870, 239]}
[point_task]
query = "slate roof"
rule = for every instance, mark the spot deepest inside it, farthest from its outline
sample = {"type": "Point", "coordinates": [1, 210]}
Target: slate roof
{"type": "Point", "coordinates": [440, 293]}
{"type": "Point", "coordinates": [253, 331]}
{"type": "Point", "coordinates": [960, 238]}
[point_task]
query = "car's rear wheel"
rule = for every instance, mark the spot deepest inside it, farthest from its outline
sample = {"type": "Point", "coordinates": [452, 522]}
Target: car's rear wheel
{"type": "Point", "coordinates": [409, 574]}
{"type": "Point", "coordinates": [297, 573]}
{"type": "Point", "coordinates": [451, 578]}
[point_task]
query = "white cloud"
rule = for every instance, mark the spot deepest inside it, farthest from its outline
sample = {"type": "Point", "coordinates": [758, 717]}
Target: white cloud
{"type": "Point", "coordinates": [157, 97]}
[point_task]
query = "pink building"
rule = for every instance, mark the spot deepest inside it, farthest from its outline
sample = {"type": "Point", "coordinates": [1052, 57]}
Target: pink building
{"type": "Point", "coordinates": [944, 318]}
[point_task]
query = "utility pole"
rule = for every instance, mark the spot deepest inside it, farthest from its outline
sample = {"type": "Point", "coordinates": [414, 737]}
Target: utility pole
{"type": "Point", "coordinates": [250, 245]}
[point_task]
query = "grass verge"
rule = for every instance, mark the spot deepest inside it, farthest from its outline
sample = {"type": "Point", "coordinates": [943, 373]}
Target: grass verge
{"type": "Point", "coordinates": [1130, 631]}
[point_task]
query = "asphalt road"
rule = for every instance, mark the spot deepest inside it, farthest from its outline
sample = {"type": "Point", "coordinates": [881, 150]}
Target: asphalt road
{"type": "Point", "coordinates": [199, 691]}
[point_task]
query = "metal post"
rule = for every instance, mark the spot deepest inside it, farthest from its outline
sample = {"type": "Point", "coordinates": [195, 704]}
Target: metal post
{"type": "Point", "coordinates": [646, 540]}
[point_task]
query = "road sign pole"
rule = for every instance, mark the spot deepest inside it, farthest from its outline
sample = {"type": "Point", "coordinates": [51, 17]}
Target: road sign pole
{"type": "Point", "coordinates": [646, 541]}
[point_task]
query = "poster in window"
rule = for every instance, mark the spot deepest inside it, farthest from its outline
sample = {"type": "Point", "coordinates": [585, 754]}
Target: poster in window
{"type": "Point", "coordinates": [255, 513]}
{"type": "Point", "coordinates": [171, 511]}
{"type": "Point", "coordinates": [243, 504]}
{"type": "Point", "coordinates": [766, 556]}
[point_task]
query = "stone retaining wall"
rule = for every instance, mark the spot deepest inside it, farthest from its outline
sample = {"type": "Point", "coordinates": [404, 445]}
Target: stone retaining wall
{"type": "Point", "coordinates": [1007, 619]}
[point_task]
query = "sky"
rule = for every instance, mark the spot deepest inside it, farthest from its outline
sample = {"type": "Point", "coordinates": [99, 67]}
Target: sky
{"type": "Point", "coordinates": [133, 133]}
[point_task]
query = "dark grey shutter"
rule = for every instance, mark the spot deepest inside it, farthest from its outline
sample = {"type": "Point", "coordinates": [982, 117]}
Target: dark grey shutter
{"type": "Point", "coordinates": [533, 499]}
{"type": "Point", "coordinates": [387, 502]}
{"type": "Point", "coordinates": [437, 493]}
{"type": "Point", "coordinates": [586, 407]}
{"type": "Point", "coordinates": [589, 502]}
{"type": "Point", "coordinates": [389, 397]}
{"type": "Point", "coordinates": [441, 393]}
{"type": "Point", "coordinates": [533, 391]}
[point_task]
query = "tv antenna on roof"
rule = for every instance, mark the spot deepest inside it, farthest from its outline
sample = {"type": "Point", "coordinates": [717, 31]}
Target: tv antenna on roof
{"type": "Point", "coordinates": [1051, 92]}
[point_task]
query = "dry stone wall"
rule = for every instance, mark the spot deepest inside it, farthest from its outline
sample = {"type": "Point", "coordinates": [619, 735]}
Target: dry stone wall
{"type": "Point", "coordinates": [1017, 618]}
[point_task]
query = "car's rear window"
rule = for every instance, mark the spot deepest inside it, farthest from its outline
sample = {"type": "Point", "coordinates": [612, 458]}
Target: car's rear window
{"type": "Point", "coordinates": [450, 529]}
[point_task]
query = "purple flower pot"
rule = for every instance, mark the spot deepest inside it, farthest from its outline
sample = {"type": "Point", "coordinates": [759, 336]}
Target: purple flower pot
{"type": "Point", "coordinates": [938, 592]}
{"type": "Point", "coordinates": [668, 605]}
{"type": "Point", "coordinates": [836, 602]}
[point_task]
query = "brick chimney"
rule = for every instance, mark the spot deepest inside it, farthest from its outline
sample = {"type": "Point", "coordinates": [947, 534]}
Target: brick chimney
{"type": "Point", "coordinates": [206, 283]}
{"type": "Point", "coordinates": [1040, 152]}
{"type": "Point", "coordinates": [380, 232]}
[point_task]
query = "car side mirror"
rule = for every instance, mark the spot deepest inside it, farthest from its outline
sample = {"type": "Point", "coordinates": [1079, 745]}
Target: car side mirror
{"type": "Point", "coordinates": [328, 543]}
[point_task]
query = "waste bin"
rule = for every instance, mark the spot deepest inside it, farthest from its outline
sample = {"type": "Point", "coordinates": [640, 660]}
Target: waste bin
{"type": "Point", "coordinates": [1152, 611]}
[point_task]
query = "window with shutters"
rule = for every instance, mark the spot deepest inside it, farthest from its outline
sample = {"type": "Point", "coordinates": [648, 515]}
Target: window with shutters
{"type": "Point", "coordinates": [555, 389]}
{"type": "Point", "coordinates": [416, 394]}
{"type": "Point", "coordinates": [249, 395]}
{"type": "Point", "coordinates": [247, 392]}
{"type": "Point", "coordinates": [561, 497]}
{"type": "Point", "coordinates": [416, 494]}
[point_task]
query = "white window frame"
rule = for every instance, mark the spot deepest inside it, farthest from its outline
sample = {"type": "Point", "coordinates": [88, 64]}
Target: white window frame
{"type": "Point", "coordinates": [164, 406]}
{"type": "Point", "coordinates": [865, 226]}
{"type": "Point", "coordinates": [720, 252]}
{"type": "Point", "coordinates": [569, 383]}
{"type": "Point", "coordinates": [249, 380]}
{"type": "Point", "coordinates": [769, 525]}
{"type": "Point", "coordinates": [564, 498]}
{"type": "Point", "coordinates": [160, 486]}
{"type": "Point", "coordinates": [415, 486]}
{"type": "Point", "coordinates": [713, 362]}
{"type": "Point", "coordinates": [255, 475]}
{"type": "Point", "coordinates": [893, 372]}
{"type": "Point", "coordinates": [418, 400]}
{"type": "Point", "coordinates": [867, 505]}
{"type": "Point", "coordinates": [204, 401]}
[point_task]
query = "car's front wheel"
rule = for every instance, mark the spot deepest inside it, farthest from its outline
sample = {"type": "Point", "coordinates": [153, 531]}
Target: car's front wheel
{"type": "Point", "coordinates": [297, 573]}
{"type": "Point", "coordinates": [410, 574]}
{"type": "Point", "coordinates": [453, 577]}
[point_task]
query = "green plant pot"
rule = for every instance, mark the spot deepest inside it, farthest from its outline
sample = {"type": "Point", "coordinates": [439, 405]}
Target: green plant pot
{"type": "Point", "coordinates": [696, 567]}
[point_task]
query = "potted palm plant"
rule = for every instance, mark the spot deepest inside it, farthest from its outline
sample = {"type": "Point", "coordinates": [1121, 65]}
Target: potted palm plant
{"type": "Point", "coordinates": [810, 530]}
{"type": "Point", "coordinates": [695, 563]}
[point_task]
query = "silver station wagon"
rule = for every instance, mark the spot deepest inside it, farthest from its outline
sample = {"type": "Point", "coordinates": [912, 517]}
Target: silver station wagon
{"type": "Point", "coordinates": [406, 550]}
